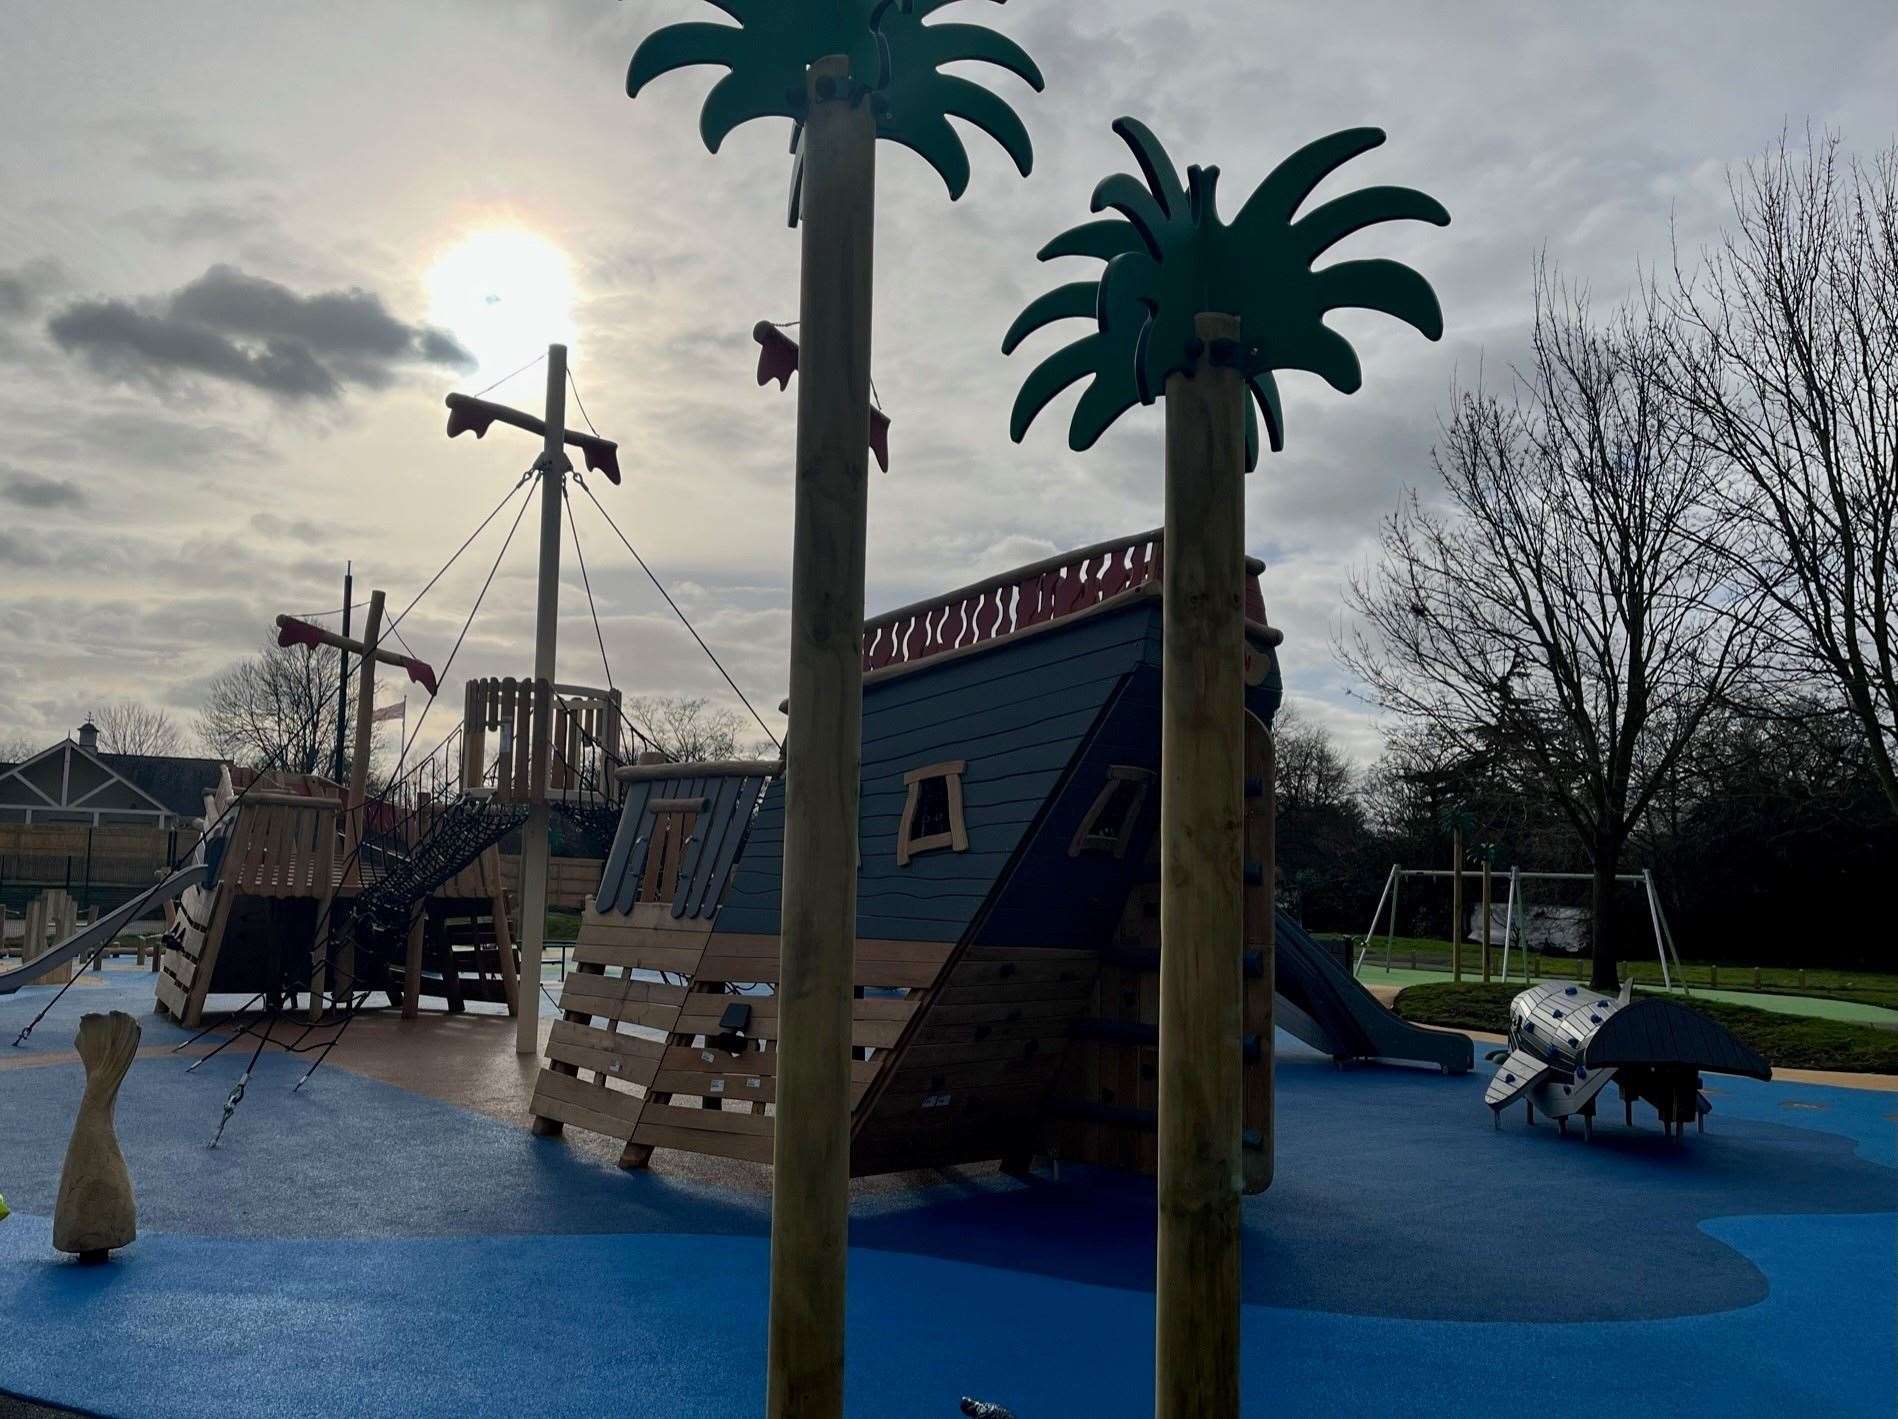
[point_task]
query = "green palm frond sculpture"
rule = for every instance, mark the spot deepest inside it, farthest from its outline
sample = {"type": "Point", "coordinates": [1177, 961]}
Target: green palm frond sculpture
{"type": "Point", "coordinates": [1170, 257]}
{"type": "Point", "coordinates": [775, 41]}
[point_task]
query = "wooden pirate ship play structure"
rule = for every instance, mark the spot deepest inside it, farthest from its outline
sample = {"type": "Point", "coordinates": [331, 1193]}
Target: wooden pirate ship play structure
{"type": "Point", "coordinates": [289, 857]}
{"type": "Point", "coordinates": [1007, 949]}
{"type": "Point", "coordinates": [412, 894]}
{"type": "Point", "coordinates": [299, 884]}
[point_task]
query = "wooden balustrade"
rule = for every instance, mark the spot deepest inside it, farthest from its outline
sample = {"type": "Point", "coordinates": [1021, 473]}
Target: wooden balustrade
{"type": "Point", "coordinates": [282, 845]}
{"type": "Point", "coordinates": [1047, 590]}
{"type": "Point", "coordinates": [585, 736]}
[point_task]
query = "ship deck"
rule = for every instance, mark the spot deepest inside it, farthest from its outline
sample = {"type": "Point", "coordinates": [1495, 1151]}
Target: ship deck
{"type": "Point", "coordinates": [391, 1240]}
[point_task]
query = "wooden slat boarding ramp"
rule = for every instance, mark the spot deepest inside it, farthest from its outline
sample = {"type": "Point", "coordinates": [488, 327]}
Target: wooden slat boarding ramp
{"type": "Point", "coordinates": [637, 1010]}
{"type": "Point", "coordinates": [667, 1036]}
{"type": "Point", "coordinates": [668, 1033]}
{"type": "Point", "coordinates": [278, 858]}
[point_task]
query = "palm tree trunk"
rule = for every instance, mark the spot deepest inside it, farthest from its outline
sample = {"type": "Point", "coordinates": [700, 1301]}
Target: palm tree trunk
{"type": "Point", "coordinates": [1202, 921]}
{"type": "Point", "coordinates": [811, 1150]}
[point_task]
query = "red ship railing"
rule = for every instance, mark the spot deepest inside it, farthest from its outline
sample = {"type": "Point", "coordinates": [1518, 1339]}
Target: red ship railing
{"type": "Point", "coordinates": [1048, 590]}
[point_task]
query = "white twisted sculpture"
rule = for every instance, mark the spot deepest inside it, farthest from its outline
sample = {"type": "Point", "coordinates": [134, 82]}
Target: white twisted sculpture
{"type": "Point", "coordinates": [96, 1211]}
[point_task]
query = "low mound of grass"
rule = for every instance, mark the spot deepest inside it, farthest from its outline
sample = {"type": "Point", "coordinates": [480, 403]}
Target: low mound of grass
{"type": "Point", "coordinates": [1787, 1041]}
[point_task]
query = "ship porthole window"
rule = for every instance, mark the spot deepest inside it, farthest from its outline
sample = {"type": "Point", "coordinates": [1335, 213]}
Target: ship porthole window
{"type": "Point", "coordinates": [932, 811]}
{"type": "Point", "coordinates": [1109, 823]}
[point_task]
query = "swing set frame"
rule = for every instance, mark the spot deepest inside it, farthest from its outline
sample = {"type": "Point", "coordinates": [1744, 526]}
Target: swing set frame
{"type": "Point", "coordinates": [1664, 947]}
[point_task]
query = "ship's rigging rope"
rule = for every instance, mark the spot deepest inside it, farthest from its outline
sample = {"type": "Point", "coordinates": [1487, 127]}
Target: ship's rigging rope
{"type": "Point", "coordinates": [683, 619]}
{"type": "Point", "coordinates": [657, 584]}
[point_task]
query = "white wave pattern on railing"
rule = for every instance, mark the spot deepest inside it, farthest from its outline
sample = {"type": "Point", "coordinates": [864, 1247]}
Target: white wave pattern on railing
{"type": "Point", "coordinates": [1027, 596]}
{"type": "Point", "coordinates": [1012, 602]}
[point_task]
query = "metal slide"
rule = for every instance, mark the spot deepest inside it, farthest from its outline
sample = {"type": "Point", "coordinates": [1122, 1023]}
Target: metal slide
{"type": "Point", "coordinates": [1332, 1013]}
{"type": "Point", "coordinates": [88, 938]}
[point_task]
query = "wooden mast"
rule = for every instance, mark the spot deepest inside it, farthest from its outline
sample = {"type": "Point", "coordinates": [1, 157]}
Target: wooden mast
{"type": "Point", "coordinates": [1202, 924]}
{"type": "Point", "coordinates": [534, 839]}
{"type": "Point", "coordinates": [811, 1152]}
{"type": "Point", "coordinates": [355, 812]}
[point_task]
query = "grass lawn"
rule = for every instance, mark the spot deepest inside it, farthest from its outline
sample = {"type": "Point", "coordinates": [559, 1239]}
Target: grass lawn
{"type": "Point", "coordinates": [1789, 1041]}
{"type": "Point", "coordinates": [1426, 954]}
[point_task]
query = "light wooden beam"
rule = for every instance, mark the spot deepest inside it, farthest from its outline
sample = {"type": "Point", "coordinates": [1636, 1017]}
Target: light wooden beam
{"type": "Point", "coordinates": [1202, 927]}
{"type": "Point", "coordinates": [811, 1151]}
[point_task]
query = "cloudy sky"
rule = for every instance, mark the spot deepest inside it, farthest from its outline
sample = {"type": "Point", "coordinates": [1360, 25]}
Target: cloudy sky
{"type": "Point", "coordinates": [245, 251]}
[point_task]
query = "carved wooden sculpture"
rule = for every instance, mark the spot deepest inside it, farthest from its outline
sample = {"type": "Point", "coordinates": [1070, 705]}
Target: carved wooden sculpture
{"type": "Point", "coordinates": [96, 1211]}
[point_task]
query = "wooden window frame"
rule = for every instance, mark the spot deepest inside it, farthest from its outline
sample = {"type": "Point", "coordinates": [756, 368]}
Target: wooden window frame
{"type": "Point", "coordinates": [675, 821]}
{"type": "Point", "coordinates": [1086, 839]}
{"type": "Point", "coordinates": [957, 838]}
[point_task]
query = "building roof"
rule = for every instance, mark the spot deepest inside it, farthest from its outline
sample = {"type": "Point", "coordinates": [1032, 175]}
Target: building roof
{"type": "Point", "coordinates": [144, 782]}
{"type": "Point", "coordinates": [178, 783]}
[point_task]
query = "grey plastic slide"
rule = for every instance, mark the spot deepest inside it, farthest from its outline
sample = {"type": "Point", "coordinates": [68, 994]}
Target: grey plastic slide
{"type": "Point", "coordinates": [1332, 1013]}
{"type": "Point", "coordinates": [88, 938]}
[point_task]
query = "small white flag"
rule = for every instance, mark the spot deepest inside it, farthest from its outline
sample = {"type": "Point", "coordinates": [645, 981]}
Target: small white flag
{"type": "Point", "coordinates": [398, 710]}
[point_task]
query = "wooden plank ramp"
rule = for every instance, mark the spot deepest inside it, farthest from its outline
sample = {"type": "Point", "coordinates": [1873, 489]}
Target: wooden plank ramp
{"type": "Point", "coordinates": [641, 1051]}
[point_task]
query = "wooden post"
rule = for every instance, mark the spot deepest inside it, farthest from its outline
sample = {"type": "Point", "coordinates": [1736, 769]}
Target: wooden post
{"type": "Point", "coordinates": [534, 835]}
{"type": "Point", "coordinates": [342, 668]}
{"type": "Point", "coordinates": [811, 1152]}
{"type": "Point", "coordinates": [1486, 909]}
{"type": "Point", "coordinates": [1202, 737]}
{"type": "Point", "coordinates": [355, 812]}
{"type": "Point", "coordinates": [1456, 905]}
{"type": "Point", "coordinates": [412, 962]}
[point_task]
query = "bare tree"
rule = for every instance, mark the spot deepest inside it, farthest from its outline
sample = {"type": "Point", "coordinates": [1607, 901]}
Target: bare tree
{"type": "Point", "coordinates": [1320, 825]}
{"type": "Point", "coordinates": [1310, 772]}
{"type": "Point", "coordinates": [1574, 613]}
{"type": "Point", "coordinates": [129, 727]}
{"type": "Point", "coordinates": [686, 729]}
{"type": "Point", "coordinates": [277, 708]}
{"type": "Point", "coordinates": [1785, 344]}
{"type": "Point", "coordinates": [17, 748]}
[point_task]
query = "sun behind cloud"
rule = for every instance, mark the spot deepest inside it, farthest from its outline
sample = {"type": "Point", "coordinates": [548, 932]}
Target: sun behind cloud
{"type": "Point", "coordinates": [505, 293]}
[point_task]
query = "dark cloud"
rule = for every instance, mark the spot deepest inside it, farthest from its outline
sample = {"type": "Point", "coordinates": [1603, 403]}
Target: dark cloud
{"type": "Point", "coordinates": [24, 288]}
{"type": "Point", "coordinates": [244, 329]}
{"type": "Point", "coordinates": [29, 490]}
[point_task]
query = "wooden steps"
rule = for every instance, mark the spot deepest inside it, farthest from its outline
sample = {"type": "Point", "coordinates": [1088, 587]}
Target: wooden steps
{"type": "Point", "coordinates": [1104, 1105]}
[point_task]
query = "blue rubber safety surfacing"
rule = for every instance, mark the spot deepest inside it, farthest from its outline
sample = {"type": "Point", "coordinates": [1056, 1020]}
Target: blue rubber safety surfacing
{"type": "Point", "coordinates": [440, 1262]}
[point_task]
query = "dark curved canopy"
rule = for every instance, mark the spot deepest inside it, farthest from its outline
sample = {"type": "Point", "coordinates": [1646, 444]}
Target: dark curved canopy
{"type": "Point", "coordinates": [1660, 1032]}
